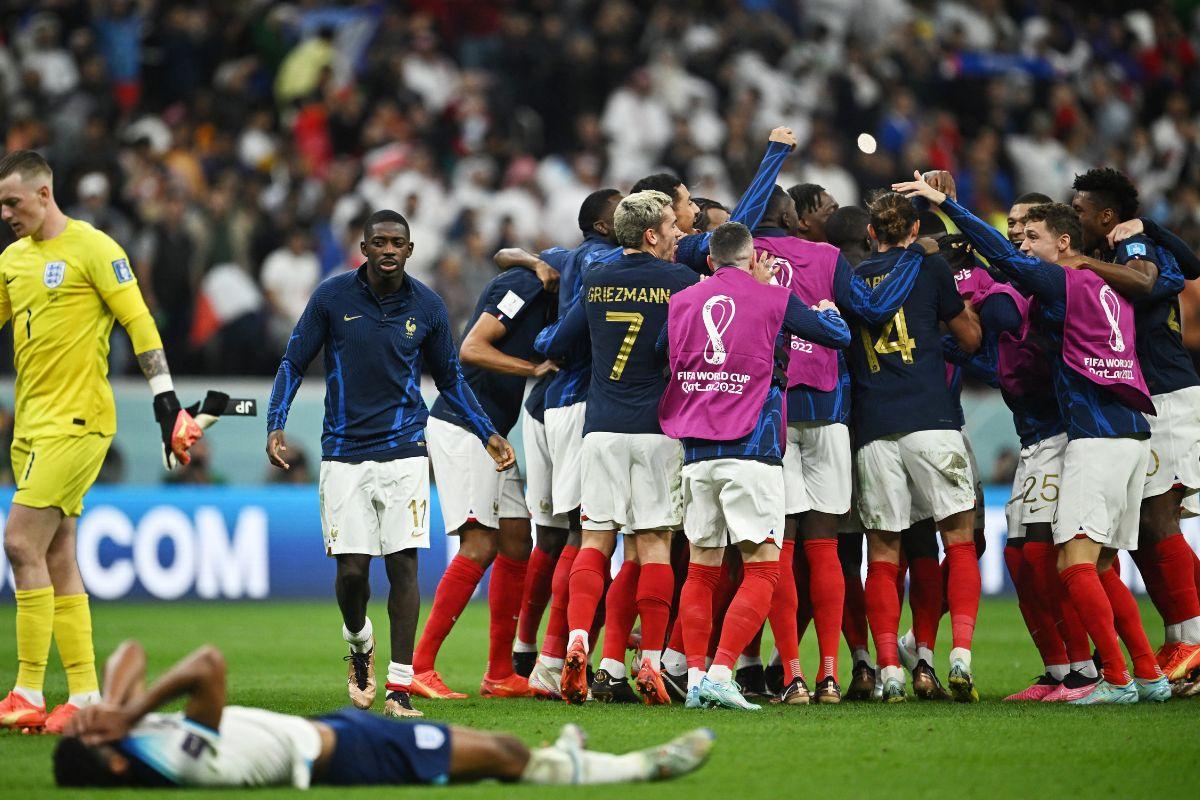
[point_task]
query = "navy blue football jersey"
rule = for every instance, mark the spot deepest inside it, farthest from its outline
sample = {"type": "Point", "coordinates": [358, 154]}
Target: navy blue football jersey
{"type": "Point", "coordinates": [897, 371]}
{"type": "Point", "coordinates": [517, 299]}
{"type": "Point", "coordinates": [622, 309]}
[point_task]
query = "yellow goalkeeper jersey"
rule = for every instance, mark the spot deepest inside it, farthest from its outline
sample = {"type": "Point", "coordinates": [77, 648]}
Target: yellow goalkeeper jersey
{"type": "Point", "coordinates": [62, 295]}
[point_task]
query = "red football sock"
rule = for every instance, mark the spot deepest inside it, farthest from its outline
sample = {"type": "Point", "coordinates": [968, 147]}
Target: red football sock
{"type": "Point", "coordinates": [883, 610]}
{"type": "Point", "coordinates": [1087, 593]}
{"type": "Point", "coordinates": [802, 577]}
{"type": "Point", "coordinates": [754, 646]}
{"type": "Point", "coordinates": [1037, 618]}
{"type": "Point", "coordinates": [696, 611]}
{"type": "Point", "coordinates": [453, 592]}
{"type": "Point", "coordinates": [655, 589]}
{"type": "Point", "coordinates": [504, 605]}
{"type": "Point", "coordinates": [901, 575]}
{"type": "Point", "coordinates": [854, 614]}
{"type": "Point", "coordinates": [587, 587]}
{"type": "Point", "coordinates": [962, 592]}
{"type": "Point", "coordinates": [1146, 559]}
{"type": "Point", "coordinates": [676, 641]}
{"type": "Point", "coordinates": [539, 576]}
{"type": "Point", "coordinates": [1196, 570]}
{"type": "Point", "coordinates": [828, 594]}
{"type": "Point", "coordinates": [1128, 622]}
{"type": "Point", "coordinates": [1043, 561]}
{"type": "Point", "coordinates": [727, 586]}
{"type": "Point", "coordinates": [555, 643]}
{"type": "Point", "coordinates": [925, 593]}
{"type": "Point", "coordinates": [620, 611]}
{"type": "Point", "coordinates": [747, 611]}
{"type": "Point", "coordinates": [783, 614]}
{"type": "Point", "coordinates": [1175, 564]}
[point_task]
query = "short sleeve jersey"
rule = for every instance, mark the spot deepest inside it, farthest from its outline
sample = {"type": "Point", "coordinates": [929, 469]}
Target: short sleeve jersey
{"type": "Point", "coordinates": [517, 299]}
{"type": "Point", "coordinates": [897, 369]}
{"type": "Point", "coordinates": [58, 293]}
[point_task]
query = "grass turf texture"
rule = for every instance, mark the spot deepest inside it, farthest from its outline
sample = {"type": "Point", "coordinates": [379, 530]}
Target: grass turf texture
{"type": "Point", "coordinates": [287, 657]}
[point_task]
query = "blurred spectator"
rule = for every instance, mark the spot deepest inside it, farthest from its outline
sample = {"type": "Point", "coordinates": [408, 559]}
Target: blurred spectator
{"type": "Point", "coordinates": [95, 209]}
{"type": "Point", "coordinates": [200, 135]}
{"type": "Point", "coordinates": [1004, 467]}
{"type": "Point", "coordinates": [289, 275]}
{"type": "Point", "coordinates": [112, 471]}
{"type": "Point", "coordinates": [301, 471]}
{"type": "Point", "coordinates": [198, 471]}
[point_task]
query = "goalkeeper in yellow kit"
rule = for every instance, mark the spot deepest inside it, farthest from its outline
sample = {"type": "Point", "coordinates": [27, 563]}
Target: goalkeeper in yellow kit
{"type": "Point", "coordinates": [64, 282]}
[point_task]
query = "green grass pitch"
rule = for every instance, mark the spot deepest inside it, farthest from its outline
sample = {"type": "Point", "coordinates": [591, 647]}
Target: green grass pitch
{"type": "Point", "coordinates": [288, 657]}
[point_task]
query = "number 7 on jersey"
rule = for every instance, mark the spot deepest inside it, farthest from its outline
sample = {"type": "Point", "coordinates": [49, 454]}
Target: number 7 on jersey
{"type": "Point", "coordinates": [634, 320]}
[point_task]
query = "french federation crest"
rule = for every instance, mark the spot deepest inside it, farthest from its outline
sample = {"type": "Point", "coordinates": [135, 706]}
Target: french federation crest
{"type": "Point", "coordinates": [55, 272]}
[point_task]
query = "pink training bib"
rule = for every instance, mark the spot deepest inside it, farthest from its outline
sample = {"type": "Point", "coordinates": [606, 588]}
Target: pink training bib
{"type": "Point", "coordinates": [722, 335]}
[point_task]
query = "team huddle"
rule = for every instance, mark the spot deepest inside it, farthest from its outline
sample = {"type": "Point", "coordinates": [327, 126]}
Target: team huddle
{"type": "Point", "coordinates": [715, 387]}
{"type": "Point", "coordinates": [743, 396]}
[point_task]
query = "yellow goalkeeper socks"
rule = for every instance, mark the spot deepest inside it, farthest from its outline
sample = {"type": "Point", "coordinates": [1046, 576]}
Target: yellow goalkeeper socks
{"type": "Point", "coordinates": [35, 625]}
{"type": "Point", "coordinates": [73, 635]}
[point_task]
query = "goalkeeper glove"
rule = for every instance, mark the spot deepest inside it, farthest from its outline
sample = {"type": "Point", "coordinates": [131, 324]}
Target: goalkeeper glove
{"type": "Point", "coordinates": [179, 430]}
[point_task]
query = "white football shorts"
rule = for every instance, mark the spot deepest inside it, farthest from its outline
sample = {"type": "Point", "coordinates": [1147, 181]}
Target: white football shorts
{"type": "Point", "coordinates": [816, 468]}
{"type": "Point", "coordinates": [1036, 485]}
{"type": "Point", "coordinates": [564, 435]}
{"type": "Point", "coordinates": [732, 500]}
{"type": "Point", "coordinates": [631, 480]}
{"type": "Point", "coordinates": [908, 477]}
{"type": "Point", "coordinates": [1102, 487]}
{"type": "Point", "coordinates": [469, 487]}
{"type": "Point", "coordinates": [375, 508]}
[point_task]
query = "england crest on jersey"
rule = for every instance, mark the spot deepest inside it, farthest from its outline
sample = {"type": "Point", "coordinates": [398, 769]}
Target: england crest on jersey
{"type": "Point", "coordinates": [55, 272]}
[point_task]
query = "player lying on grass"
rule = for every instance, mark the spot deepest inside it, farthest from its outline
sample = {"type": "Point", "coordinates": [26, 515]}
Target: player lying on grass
{"type": "Point", "coordinates": [122, 741]}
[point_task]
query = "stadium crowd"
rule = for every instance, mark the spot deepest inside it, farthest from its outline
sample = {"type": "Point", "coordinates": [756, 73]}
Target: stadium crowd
{"type": "Point", "coordinates": [234, 149]}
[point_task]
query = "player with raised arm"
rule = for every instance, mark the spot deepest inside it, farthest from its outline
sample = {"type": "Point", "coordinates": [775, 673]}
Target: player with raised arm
{"type": "Point", "coordinates": [728, 340]}
{"type": "Point", "coordinates": [1102, 398]}
{"type": "Point", "coordinates": [484, 508]}
{"type": "Point", "coordinates": [128, 741]}
{"type": "Point", "coordinates": [64, 284]}
{"type": "Point", "coordinates": [817, 461]}
{"type": "Point", "coordinates": [553, 442]}
{"type": "Point", "coordinates": [630, 468]}
{"type": "Point", "coordinates": [911, 461]}
{"type": "Point", "coordinates": [1148, 274]}
{"type": "Point", "coordinates": [378, 327]}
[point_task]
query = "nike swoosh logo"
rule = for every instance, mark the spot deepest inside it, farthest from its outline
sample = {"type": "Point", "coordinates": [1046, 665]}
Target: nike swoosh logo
{"type": "Point", "coordinates": [10, 280]}
{"type": "Point", "coordinates": [348, 318]}
{"type": "Point", "coordinates": [1035, 510]}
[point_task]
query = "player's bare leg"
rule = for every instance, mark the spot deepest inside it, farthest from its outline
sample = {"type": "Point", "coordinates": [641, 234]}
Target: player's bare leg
{"type": "Point", "coordinates": [404, 606]}
{"type": "Point", "coordinates": [539, 577]}
{"type": "Point", "coordinates": [28, 535]}
{"type": "Point", "coordinates": [655, 591]}
{"type": "Point", "coordinates": [352, 587]}
{"type": "Point", "coordinates": [513, 545]}
{"type": "Point", "coordinates": [883, 609]}
{"type": "Point", "coordinates": [963, 588]}
{"type": "Point", "coordinates": [586, 588]}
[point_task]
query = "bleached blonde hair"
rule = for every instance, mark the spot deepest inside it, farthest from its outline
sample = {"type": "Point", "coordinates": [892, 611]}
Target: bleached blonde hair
{"type": "Point", "coordinates": [636, 213]}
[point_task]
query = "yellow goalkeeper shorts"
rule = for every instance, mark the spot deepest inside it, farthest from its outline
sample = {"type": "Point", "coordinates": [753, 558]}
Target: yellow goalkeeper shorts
{"type": "Point", "coordinates": [57, 471]}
